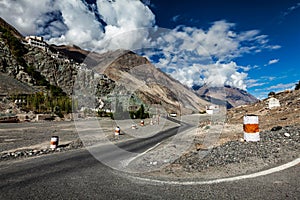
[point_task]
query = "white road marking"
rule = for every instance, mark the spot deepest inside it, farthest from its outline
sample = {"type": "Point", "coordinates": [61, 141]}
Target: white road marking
{"type": "Point", "coordinates": [223, 180]}
{"type": "Point", "coordinates": [125, 163]}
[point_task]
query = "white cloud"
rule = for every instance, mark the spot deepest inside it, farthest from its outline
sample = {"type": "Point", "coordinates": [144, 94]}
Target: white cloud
{"type": "Point", "coordinates": [271, 62]}
{"type": "Point", "coordinates": [175, 18]}
{"type": "Point", "coordinates": [282, 86]}
{"type": "Point", "coordinates": [270, 78]}
{"type": "Point", "coordinates": [71, 22]}
{"type": "Point", "coordinates": [291, 9]}
{"type": "Point", "coordinates": [215, 74]}
{"type": "Point", "coordinates": [214, 49]}
{"type": "Point", "coordinates": [82, 28]}
{"type": "Point", "coordinates": [245, 68]}
{"type": "Point", "coordinates": [254, 83]}
{"type": "Point", "coordinates": [25, 15]}
{"type": "Point", "coordinates": [219, 41]}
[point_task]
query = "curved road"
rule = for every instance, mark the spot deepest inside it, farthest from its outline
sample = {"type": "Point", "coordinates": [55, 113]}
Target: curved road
{"type": "Point", "coordinates": [78, 175]}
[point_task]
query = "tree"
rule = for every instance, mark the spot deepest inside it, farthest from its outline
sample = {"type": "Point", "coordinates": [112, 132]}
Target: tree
{"type": "Point", "coordinates": [297, 87]}
{"type": "Point", "coordinates": [140, 113]}
{"type": "Point", "coordinates": [271, 94]}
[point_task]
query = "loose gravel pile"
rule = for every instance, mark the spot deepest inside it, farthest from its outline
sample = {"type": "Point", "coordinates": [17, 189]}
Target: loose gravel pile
{"type": "Point", "coordinates": [36, 152]}
{"type": "Point", "coordinates": [276, 146]}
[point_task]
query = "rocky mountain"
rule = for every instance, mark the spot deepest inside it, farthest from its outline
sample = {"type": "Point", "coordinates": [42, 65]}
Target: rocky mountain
{"type": "Point", "coordinates": [33, 66]}
{"type": "Point", "coordinates": [229, 96]}
{"type": "Point", "coordinates": [63, 66]}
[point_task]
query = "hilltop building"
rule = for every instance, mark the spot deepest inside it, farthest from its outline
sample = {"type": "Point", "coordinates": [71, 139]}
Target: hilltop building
{"type": "Point", "coordinates": [36, 41]}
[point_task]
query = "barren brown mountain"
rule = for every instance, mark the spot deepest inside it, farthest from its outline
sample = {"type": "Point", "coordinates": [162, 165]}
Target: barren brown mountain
{"type": "Point", "coordinates": [227, 95]}
{"type": "Point", "coordinates": [152, 86]}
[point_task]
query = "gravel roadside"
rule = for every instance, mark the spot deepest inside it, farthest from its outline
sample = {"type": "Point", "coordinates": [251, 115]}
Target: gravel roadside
{"type": "Point", "coordinates": [276, 147]}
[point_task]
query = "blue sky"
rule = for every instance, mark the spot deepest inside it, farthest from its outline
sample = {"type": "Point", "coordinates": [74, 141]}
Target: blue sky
{"type": "Point", "coordinates": [252, 45]}
{"type": "Point", "coordinates": [269, 70]}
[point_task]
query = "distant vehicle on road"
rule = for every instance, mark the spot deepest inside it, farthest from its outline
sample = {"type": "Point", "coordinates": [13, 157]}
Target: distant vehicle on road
{"type": "Point", "coordinates": [173, 115]}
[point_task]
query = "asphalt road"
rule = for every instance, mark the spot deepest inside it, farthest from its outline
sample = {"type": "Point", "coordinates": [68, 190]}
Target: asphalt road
{"type": "Point", "coordinates": [78, 175]}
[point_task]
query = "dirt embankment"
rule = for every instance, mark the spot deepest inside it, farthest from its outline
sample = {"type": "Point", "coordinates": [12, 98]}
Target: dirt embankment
{"type": "Point", "coordinates": [287, 114]}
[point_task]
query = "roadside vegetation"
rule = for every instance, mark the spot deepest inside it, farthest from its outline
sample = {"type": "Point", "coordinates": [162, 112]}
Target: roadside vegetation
{"type": "Point", "coordinates": [121, 113]}
{"type": "Point", "coordinates": [44, 103]}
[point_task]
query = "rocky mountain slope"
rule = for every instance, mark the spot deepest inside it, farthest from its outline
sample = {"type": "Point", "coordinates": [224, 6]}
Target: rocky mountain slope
{"type": "Point", "coordinates": [151, 85]}
{"type": "Point", "coordinates": [227, 95]}
{"type": "Point", "coordinates": [14, 31]}
{"type": "Point", "coordinates": [11, 86]}
{"type": "Point", "coordinates": [33, 66]}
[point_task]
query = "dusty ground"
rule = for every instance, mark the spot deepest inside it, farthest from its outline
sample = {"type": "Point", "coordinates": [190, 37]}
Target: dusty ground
{"type": "Point", "coordinates": [37, 135]}
{"type": "Point", "coordinates": [16, 136]}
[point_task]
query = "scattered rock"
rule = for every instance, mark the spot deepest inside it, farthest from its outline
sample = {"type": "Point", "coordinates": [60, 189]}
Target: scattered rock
{"type": "Point", "coordinates": [34, 152]}
{"type": "Point", "coordinates": [276, 128]}
{"type": "Point", "coordinates": [287, 135]}
{"type": "Point", "coordinates": [273, 147]}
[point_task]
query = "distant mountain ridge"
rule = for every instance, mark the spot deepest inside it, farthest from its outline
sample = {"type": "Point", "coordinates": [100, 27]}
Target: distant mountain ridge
{"type": "Point", "coordinates": [230, 96]}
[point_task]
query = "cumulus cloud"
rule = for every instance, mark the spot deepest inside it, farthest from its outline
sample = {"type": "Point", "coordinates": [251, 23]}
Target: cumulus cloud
{"type": "Point", "coordinates": [82, 29]}
{"type": "Point", "coordinates": [126, 28]}
{"type": "Point", "coordinates": [25, 15]}
{"type": "Point", "coordinates": [199, 56]}
{"type": "Point", "coordinates": [191, 55]}
{"type": "Point", "coordinates": [215, 75]}
{"type": "Point", "coordinates": [72, 22]}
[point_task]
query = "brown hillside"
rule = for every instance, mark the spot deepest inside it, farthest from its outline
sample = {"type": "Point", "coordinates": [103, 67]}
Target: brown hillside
{"type": "Point", "coordinates": [152, 86]}
{"type": "Point", "coordinates": [287, 114]}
